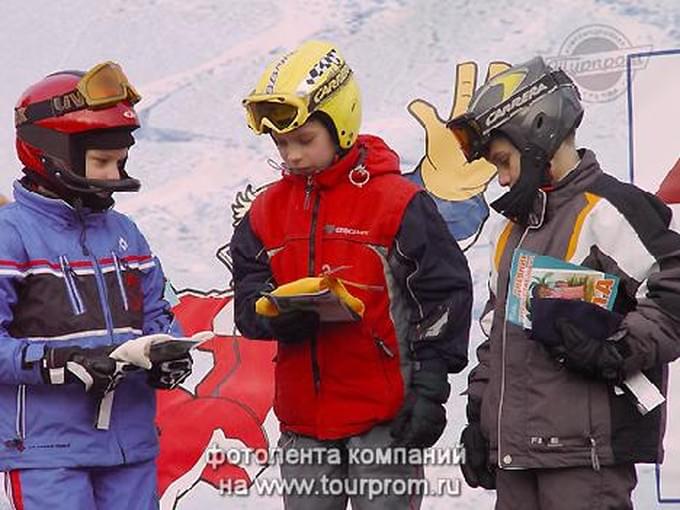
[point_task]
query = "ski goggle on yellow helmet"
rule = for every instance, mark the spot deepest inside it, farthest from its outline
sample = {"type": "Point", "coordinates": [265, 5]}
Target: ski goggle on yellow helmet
{"type": "Point", "coordinates": [312, 78]}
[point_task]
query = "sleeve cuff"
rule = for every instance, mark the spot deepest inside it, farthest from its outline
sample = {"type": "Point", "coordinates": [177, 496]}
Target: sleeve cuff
{"type": "Point", "coordinates": [34, 352]}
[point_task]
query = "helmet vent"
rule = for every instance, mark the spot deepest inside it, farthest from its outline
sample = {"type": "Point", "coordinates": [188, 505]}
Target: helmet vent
{"type": "Point", "coordinates": [539, 121]}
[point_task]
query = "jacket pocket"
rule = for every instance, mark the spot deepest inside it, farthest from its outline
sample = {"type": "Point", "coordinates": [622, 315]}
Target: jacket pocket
{"type": "Point", "coordinates": [70, 277]}
{"type": "Point", "coordinates": [384, 355]}
{"type": "Point", "coordinates": [389, 365]}
{"type": "Point", "coordinates": [557, 404]}
{"type": "Point", "coordinates": [294, 400]}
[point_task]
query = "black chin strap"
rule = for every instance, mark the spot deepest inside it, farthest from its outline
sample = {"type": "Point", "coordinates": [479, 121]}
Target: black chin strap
{"type": "Point", "coordinates": [519, 203]}
{"type": "Point", "coordinates": [95, 194]}
{"type": "Point", "coordinates": [85, 186]}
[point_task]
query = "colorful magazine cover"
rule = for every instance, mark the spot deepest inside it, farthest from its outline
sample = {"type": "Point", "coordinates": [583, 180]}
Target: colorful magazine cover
{"type": "Point", "coordinates": [533, 275]}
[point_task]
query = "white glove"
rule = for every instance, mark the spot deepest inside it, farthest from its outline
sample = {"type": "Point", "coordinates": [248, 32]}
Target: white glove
{"type": "Point", "coordinates": [138, 351]}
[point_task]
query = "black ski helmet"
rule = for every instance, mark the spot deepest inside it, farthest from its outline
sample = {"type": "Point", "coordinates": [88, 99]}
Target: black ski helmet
{"type": "Point", "coordinates": [530, 103]}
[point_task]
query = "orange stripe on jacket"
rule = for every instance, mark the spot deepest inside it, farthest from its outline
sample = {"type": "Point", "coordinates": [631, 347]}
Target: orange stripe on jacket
{"type": "Point", "coordinates": [591, 200]}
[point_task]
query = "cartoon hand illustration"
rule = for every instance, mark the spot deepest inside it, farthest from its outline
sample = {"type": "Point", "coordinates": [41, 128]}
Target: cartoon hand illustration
{"type": "Point", "coordinates": [444, 170]}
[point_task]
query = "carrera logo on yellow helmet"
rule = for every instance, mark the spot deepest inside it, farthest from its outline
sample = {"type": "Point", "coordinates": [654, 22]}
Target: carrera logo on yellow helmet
{"type": "Point", "coordinates": [509, 82]}
{"type": "Point", "coordinates": [330, 86]}
{"type": "Point", "coordinates": [329, 60]}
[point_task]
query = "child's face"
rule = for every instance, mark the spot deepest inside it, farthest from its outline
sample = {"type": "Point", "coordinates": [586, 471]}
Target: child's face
{"type": "Point", "coordinates": [307, 149]}
{"type": "Point", "coordinates": [103, 163]}
{"type": "Point", "coordinates": [506, 158]}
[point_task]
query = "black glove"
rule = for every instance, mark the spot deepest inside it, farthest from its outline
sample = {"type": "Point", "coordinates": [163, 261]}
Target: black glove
{"type": "Point", "coordinates": [422, 418]}
{"type": "Point", "coordinates": [476, 468]}
{"type": "Point", "coordinates": [296, 326]}
{"type": "Point", "coordinates": [596, 358]}
{"type": "Point", "coordinates": [588, 348]}
{"type": "Point", "coordinates": [92, 367]}
{"type": "Point", "coordinates": [171, 364]}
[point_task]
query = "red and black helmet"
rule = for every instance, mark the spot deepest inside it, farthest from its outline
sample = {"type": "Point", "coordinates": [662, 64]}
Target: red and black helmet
{"type": "Point", "coordinates": [58, 118]}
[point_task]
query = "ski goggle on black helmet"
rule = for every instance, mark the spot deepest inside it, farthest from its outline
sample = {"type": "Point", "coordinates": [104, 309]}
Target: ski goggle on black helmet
{"type": "Point", "coordinates": [528, 103]}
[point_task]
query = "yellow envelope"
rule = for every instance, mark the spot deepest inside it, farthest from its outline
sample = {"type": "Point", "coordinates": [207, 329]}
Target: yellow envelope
{"type": "Point", "coordinates": [310, 287]}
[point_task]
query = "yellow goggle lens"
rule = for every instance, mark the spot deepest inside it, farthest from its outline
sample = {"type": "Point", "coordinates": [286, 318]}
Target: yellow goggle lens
{"type": "Point", "coordinates": [106, 84]}
{"type": "Point", "coordinates": [282, 116]}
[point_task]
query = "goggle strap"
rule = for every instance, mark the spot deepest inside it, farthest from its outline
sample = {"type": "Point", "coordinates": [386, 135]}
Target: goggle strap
{"type": "Point", "coordinates": [35, 112]}
{"type": "Point", "coordinates": [53, 107]}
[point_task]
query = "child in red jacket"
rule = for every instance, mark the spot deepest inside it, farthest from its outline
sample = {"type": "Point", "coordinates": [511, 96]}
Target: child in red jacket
{"type": "Point", "coordinates": [343, 208]}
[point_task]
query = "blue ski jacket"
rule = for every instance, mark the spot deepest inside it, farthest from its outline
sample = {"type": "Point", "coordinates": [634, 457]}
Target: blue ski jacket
{"type": "Point", "coordinates": [73, 277]}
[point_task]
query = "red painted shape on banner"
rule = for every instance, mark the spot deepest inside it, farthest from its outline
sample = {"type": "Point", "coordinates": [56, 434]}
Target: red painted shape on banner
{"type": "Point", "coordinates": [669, 190]}
{"type": "Point", "coordinates": [235, 396]}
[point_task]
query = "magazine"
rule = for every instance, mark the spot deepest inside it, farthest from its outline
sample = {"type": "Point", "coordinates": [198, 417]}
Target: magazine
{"type": "Point", "coordinates": [533, 275]}
{"type": "Point", "coordinates": [541, 276]}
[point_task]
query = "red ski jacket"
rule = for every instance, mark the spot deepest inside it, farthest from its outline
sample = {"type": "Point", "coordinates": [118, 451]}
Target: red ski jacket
{"type": "Point", "coordinates": [349, 220]}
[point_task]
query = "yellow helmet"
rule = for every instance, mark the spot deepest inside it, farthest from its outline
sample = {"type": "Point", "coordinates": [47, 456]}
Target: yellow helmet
{"type": "Point", "coordinates": [312, 78]}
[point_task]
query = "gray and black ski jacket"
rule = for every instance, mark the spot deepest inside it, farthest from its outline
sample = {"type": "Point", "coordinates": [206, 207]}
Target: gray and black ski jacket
{"type": "Point", "coordinates": [535, 412]}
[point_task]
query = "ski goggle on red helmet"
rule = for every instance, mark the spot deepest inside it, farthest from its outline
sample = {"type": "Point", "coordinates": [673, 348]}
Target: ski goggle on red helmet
{"type": "Point", "coordinates": [103, 86]}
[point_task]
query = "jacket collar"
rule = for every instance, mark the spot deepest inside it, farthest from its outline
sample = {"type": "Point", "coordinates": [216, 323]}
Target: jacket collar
{"type": "Point", "coordinates": [576, 182]}
{"type": "Point", "coordinates": [56, 209]}
{"type": "Point", "coordinates": [551, 199]}
{"type": "Point", "coordinates": [369, 157]}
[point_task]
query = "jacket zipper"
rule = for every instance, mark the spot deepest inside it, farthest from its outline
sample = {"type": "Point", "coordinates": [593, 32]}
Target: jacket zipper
{"type": "Point", "coordinates": [594, 458]}
{"type": "Point", "coordinates": [380, 343]}
{"type": "Point", "coordinates": [71, 288]}
{"type": "Point", "coordinates": [505, 330]}
{"type": "Point", "coordinates": [98, 276]}
{"type": "Point", "coordinates": [101, 291]}
{"type": "Point", "coordinates": [119, 278]}
{"type": "Point", "coordinates": [20, 424]}
{"type": "Point", "coordinates": [103, 295]}
{"type": "Point", "coordinates": [309, 189]}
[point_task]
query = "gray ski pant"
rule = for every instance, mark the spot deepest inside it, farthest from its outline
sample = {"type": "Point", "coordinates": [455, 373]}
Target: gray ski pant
{"type": "Point", "coordinates": [577, 488]}
{"type": "Point", "coordinates": [368, 485]}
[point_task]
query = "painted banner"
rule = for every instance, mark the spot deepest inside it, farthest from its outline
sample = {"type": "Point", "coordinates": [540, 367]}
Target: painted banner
{"type": "Point", "coordinates": [655, 166]}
